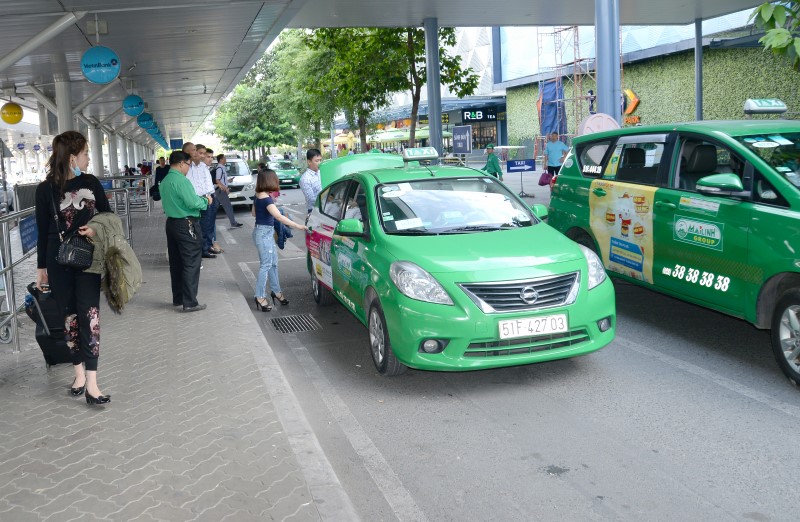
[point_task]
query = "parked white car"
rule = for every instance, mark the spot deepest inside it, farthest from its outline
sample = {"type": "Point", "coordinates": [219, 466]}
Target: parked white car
{"type": "Point", "coordinates": [241, 182]}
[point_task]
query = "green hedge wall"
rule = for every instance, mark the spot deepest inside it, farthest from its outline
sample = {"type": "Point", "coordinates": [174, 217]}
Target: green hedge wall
{"type": "Point", "coordinates": [665, 86]}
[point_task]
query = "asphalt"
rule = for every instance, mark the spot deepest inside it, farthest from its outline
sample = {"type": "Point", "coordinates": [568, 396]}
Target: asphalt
{"type": "Point", "coordinates": [202, 424]}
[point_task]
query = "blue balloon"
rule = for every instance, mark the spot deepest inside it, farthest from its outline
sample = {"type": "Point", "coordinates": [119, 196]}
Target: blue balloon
{"type": "Point", "coordinates": [145, 120]}
{"type": "Point", "coordinates": [133, 105]}
{"type": "Point", "coordinates": [100, 65]}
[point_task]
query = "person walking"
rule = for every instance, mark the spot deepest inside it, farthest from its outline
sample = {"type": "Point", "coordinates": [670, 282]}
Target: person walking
{"type": "Point", "coordinates": [220, 176]}
{"type": "Point", "coordinates": [554, 153]}
{"type": "Point", "coordinates": [200, 178]}
{"type": "Point", "coordinates": [65, 201]}
{"type": "Point", "coordinates": [184, 238]}
{"type": "Point", "coordinates": [266, 213]}
{"type": "Point", "coordinates": [492, 163]}
{"type": "Point", "coordinates": [310, 182]}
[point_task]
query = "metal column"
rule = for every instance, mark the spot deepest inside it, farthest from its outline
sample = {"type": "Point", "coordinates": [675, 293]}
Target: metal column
{"type": "Point", "coordinates": [698, 69]}
{"type": "Point", "coordinates": [44, 123]}
{"type": "Point", "coordinates": [431, 26]}
{"type": "Point", "coordinates": [64, 106]}
{"type": "Point", "coordinates": [96, 147]}
{"type": "Point", "coordinates": [609, 91]}
{"type": "Point", "coordinates": [123, 149]}
{"type": "Point", "coordinates": [131, 154]}
{"type": "Point", "coordinates": [113, 162]}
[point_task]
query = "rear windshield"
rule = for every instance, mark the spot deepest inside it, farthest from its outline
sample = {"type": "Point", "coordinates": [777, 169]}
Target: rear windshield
{"type": "Point", "coordinates": [780, 151]}
{"type": "Point", "coordinates": [450, 206]}
{"type": "Point", "coordinates": [237, 168]}
{"type": "Point", "coordinates": [281, 165]}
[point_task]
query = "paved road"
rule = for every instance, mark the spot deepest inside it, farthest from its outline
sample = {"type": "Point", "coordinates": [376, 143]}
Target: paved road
{"type": "Point", "coordinates": [684, 417]}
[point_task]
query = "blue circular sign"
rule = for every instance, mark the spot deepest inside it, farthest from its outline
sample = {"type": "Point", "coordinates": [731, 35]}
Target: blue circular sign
{"type": "Point", "coordinates": [21, 146]}
{"type": "Point", "coordinates": [100, 65]}
{"type": "Point", "coordinates": [49, 148]}
{"type": "Point", "coordinates": [145, 120]}
{"type": "Point", "coordinates": [133, 105]}
{"type": "Point", "coordinates": [37, 147]}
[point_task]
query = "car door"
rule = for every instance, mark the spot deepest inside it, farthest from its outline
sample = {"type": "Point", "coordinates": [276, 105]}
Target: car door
{"type": "Point", "coordinates": [350, 255]}
{"type": "Point", "coordinates": [701, 239]}
{"type": "Point", "coordinates": [322, 221]}
{"type": "Point", "coordinates": [621, 203]}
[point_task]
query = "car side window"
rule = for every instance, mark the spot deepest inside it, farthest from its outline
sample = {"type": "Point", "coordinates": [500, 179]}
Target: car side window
{"type": "Point", "coordinates": [699, 158]}
{"type": "Point", "coordinates": [637, 159]}
{"type": "Point", "coordinates": [356, 207]}
{"type": "Point", "coordinates": [590, 157]}
{"type": "Point", "coordinates": [766, 194]}
{"type": "Point", "coordinates": [332, 203]}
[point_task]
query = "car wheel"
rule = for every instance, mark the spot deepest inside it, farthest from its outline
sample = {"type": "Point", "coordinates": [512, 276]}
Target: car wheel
{"type": "Point", "coordinates": [322, 295]}
{"type": "Point", "coordinates": [582, 238]}
{"type": "Point", "coordinates": [786, 335]}
{"type": "Point", "coordinates": [379, 345]}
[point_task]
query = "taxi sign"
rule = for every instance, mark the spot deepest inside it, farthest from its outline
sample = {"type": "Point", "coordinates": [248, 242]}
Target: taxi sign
{"type": "Point", "coordinates": [764, 106]}
{"type": "Point", "coordinates": [420, 153]}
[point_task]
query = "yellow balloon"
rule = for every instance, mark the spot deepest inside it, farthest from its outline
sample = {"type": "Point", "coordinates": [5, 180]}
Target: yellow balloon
{"type": "Point", "coordinates": [11, 113]}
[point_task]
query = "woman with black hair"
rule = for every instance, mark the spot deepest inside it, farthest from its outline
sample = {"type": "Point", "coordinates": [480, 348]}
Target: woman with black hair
{"type": "Point", "coordinates": [66, 200]}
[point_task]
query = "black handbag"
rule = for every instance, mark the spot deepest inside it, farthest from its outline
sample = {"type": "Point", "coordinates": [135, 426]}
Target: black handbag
{"type": "Point", "coordinates": [75, 251]}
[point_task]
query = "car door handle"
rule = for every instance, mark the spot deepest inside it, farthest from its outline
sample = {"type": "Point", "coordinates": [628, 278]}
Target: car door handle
{"type": "Point", "coordinates": [666, 204]}
{"type": "Point", "coordinates": [599, 192]}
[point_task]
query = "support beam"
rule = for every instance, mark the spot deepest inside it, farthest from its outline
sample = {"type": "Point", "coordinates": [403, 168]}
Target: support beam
{"type": "Point", "coordinates": [123, 149]}
{"type": "Point", "coordinates": [111, 117]}
{"type": "Point", "coordinates": [54, 29]}
{"type": "Point", "coordinates": [85, 103]}
{"type": "Point", "coordinates": [66, 121]}
{"type": "Point", "coordinates": [609, 90]}
{"type": "Point", "coordinates": [113, 161]}
{"type": "Point", "coordinates": [43, 99]}
{"type": "Point", "coordinates": [131, 154]}
{"type": "Point", "coordinates": [96, 148]}
{"type": "Point", "coordinates": [698, 69]}
{"type": "Point", "coordinates": [431, 26]}
{"type": "Point", "coordinates": [44, 121]}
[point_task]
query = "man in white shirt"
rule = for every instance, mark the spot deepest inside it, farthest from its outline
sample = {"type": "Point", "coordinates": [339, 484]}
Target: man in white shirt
{"type": "Point", "coordinates": [200, 177]}
{"type": "Point", "coordinates": [310, 182]}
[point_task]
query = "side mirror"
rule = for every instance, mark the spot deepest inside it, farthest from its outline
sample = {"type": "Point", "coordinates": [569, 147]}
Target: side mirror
{"type": "Point", "coordinates": [720, 184]}
{"type": "Point", "coordinates": [350, 228]}
{"type": "Point", "coordinates": [540, 211]}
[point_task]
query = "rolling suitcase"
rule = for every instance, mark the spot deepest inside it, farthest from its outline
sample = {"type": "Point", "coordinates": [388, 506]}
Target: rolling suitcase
{"type": "Point", "coordinates": [41, 307]}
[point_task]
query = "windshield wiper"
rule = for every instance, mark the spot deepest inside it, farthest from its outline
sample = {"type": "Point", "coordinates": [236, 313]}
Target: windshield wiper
{"type": "Point", "coordinates": [412, 232]}
{"type": "Point", "coordinates": [472, 228]}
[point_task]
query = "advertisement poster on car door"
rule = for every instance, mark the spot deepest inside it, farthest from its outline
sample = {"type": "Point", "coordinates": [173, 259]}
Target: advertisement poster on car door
{"type": "Point", "coordinates": [622, 223]}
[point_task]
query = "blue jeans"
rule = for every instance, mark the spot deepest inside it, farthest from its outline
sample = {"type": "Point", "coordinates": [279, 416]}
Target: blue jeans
{"type": "Point", "coordinates": [268, 255]}
{"type": "Point", "coordinates": [208, 219]}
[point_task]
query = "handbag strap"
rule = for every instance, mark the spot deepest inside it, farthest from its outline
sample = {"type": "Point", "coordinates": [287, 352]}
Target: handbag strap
{"type": "Point", "coordinates": [55, 216]}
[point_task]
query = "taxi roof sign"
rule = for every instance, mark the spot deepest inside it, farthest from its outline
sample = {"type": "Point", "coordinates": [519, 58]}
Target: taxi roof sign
{"type": "Point", "coordinates": [764, 106]}
{"type": "Point", "coordinates": [420, 153]}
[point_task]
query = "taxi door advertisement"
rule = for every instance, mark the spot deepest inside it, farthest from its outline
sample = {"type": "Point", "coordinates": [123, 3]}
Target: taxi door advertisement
{"type": "Point", "coordinates": [318, 242]}
{"type": "Point", "coordinates": [622, 223]}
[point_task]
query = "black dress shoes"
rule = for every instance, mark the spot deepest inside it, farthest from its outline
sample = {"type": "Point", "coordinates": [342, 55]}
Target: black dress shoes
{"type": "Point", "coordinates": [237, 225]}
{"type": "Point", "coordinates": [208, 255]}
{"type": "Point", "coordinates": [195, 308]}
{"type": "Point", "coordinates": [101, 399]}
{"type": "Point", "coordinates": [77, 392]}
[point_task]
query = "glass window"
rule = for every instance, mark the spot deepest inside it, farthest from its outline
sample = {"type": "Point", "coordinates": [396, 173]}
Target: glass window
{"type": "Point", "coordinates": [356, 207]}
{"type": "Point", "coordinates": [450, 206]}
{"type": "Point", "coordinates": [700, 158]}
{"type": "Point", "coordinates": [637, 159]}
{"type": "Point", "coordinates": [780, 151]}
{"type": "Point", "coordinates": [590, 157]}
{"type": "Point", "coordinates": [332, 204]}
{"type": "Point", "coordinates": [281, 165]}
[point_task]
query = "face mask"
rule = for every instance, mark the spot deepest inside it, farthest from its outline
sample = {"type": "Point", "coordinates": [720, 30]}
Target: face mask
{"type": "Point", "coordinates": [76, 170]}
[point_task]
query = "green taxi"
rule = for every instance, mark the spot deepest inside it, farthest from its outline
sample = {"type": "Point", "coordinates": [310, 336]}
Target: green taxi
{"type": "Point", "coordinates": [288, 175]}
{"type": "Point", "coordinates": [708, 212]}
{"type": "Point", "coordinates": [449, 270]}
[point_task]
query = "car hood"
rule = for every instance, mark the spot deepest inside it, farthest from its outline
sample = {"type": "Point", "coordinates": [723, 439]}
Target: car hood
{"type": "Point", "coordinates": [286, 172]}
{"type": "Point", "coordinates": [510, 253]}
{"type": "Point", "coordinates": [241, 180]}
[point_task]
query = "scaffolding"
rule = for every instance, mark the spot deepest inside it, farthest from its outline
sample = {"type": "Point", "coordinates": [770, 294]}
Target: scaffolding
{"type": "Point", "coordinates": [559, 56]}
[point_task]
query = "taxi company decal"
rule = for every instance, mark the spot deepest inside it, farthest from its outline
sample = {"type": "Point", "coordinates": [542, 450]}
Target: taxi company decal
{"type": "Point", "coordinates": [697, 232]}
{"type": "Point", "coordinates": [622, 223]}
{"type": "Point", "coordinates": [701, 206]}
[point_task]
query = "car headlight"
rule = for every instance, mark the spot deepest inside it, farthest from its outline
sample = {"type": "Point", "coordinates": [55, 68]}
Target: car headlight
{"type": "Point", "coordinates": [597, 274]}
{"type": "Point", "coordinates": [416, 283]}
{"type": "Point", "coordinates": [249, 186]}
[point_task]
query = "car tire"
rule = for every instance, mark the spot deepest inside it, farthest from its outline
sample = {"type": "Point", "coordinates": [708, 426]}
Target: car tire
{"type": "Point", "coordinates": [322, 295]}
{"type": "Point", "coordinates": [786, 334]}
{"type": "Point", "coordinates": [582, 238]}
{"type": "Point", "coordinates": [380, 347]}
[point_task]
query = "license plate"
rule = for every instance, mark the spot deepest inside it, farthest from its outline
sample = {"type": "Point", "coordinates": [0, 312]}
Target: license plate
{"type": "Point", "coordinates": [533, 326]}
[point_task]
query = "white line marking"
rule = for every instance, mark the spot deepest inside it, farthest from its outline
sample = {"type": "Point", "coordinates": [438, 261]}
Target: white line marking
{"type": "Point", "coordinates": [398, 497]}
{"type": "Point", "coordinates": [729, 384]}
{"type": "Point", "coordinates": [227, 235]}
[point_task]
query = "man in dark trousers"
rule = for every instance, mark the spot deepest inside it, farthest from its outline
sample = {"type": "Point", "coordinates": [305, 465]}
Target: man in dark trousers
{"type": "Point", "coordinates": [184, 238]}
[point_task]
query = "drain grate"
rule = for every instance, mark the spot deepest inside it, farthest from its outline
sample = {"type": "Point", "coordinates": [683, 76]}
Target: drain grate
{"type": "Point", "coordinates": [296, 323]}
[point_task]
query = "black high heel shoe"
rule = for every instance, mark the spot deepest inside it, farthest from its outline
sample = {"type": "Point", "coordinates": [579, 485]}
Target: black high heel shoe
{"type": "Point", "coordinates": [77, 392]}
{"type": "Point", "coordinates": [282, 300]}
{"type": "Point", "coordinates": [102, 399]}
{"type": "Point", "coordinates": [263, 307]}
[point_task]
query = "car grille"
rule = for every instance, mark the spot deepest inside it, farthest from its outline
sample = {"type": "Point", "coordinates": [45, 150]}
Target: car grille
{"type": "Point", "coordinates": [526, 345]}
{"type": "Point", "coordinates": [508, 296]}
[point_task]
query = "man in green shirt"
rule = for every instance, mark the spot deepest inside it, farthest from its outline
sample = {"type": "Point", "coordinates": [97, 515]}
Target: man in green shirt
{"type": "Point", "coordinates": [184, 238]}
{"type": "Point", "coordinates": [492, 163]}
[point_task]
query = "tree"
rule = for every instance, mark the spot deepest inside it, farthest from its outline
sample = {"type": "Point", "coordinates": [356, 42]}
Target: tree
{"type": "Point", "coordinates": [781, 22]}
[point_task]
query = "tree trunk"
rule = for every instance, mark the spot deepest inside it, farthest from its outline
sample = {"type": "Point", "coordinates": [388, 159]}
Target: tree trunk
{"type": "Point", "coordinates": [362, 130]}
{"type": "Point", "coordinates": [416, 81]}
{"type": "Point", "coordinates": [415, 94]}
{"type": "Point", "coordinates": [317, 130]}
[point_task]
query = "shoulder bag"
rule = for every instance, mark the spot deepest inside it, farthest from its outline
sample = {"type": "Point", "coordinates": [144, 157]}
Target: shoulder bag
{"type": "Point", "coordinates": [75, 251]}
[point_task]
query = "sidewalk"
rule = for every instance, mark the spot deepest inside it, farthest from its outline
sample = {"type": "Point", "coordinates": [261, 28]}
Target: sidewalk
{"type": "Point", "coordinates": [202, 423]}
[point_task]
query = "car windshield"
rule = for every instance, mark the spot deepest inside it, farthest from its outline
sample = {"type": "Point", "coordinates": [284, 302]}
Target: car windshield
{"type": "Point", "coordinates": [237, 168]}
{"type": "Point", "coordinates": [781, 151]}
{"type": "Point", "coordinates": [281, 165]}
{"type": "Point", "coordinates": [450, 206]}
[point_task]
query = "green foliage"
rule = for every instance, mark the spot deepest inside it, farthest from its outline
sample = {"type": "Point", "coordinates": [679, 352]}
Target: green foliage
{"type": "Point", "coordinates": [781, 23]}
{"type": "Point", "coordinates": [246, 120]}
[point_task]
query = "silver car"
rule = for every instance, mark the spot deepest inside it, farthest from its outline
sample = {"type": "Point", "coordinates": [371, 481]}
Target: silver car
{"type": "Point", "coordinates": [241, 182]}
